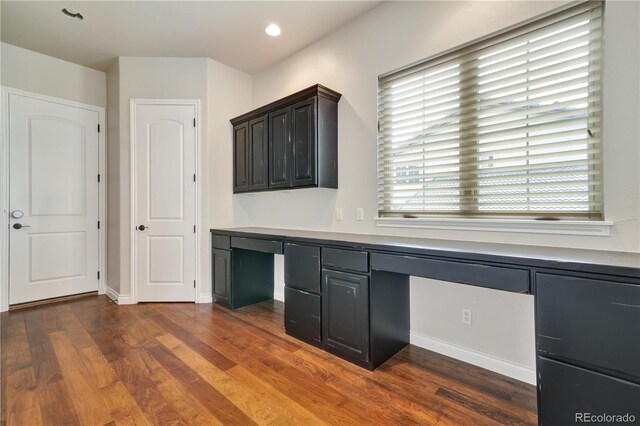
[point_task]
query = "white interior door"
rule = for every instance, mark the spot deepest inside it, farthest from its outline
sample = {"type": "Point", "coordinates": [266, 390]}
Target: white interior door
{"type": "Point", "coordinates": [53, 199]}
{"type": "Point", "coordinates": [165, 255]}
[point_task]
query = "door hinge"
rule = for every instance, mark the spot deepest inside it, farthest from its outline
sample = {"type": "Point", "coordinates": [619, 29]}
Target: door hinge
{"type": "Point", "coordinates": [194, 177]}
{"type": "Point", "coordinates": [98, 274]}
{"type": "Point", "coordinates": [98, 128]}
{"type": "Point", "coordinates": [194, 122]}
{"type": "Point", "coordinates": [98, 177]}
{"type": "Point", "coordinates": [194, 283]}
{"type": "Point", "coordinates": [98, 224]}
{"type": "Point", "coordinates": [194, 229]}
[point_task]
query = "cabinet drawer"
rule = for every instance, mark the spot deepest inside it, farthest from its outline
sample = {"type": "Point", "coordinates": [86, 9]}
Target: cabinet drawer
{"type": "Point", "coordinates": [596, 323]}
{"type": "Point", "coordinates": [302, 267]}
{"type": "Point", "coordinates": [345, 259]}
{"type": "Point", "coordinates": [221, 241]}
{"type": "Point", "coordinates": [499, 278]}
{"type": "Point", "coordinates": [302, 315]}
{"type": "Point", "coordinates": [266, 246]}
{"type": "Point", "coordinates": [567, 391]}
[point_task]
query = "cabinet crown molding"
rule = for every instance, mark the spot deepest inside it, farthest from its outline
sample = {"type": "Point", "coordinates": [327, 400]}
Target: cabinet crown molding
{"type": "Point", "coordinates": [315, 90]}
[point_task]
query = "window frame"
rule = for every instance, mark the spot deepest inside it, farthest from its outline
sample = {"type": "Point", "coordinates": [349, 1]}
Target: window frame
{"type": "Point", "coordinates": [428, 218]}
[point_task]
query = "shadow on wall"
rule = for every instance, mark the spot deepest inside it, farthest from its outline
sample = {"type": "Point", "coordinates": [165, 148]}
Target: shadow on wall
{"type": "Point", "coordinates": [308, 208]}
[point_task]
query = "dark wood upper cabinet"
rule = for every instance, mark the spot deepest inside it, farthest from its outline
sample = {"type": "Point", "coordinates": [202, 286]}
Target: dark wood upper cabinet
{"type": "Point", "coordinates": [279, 149]}
{"type": "Point", "coordinates": [303, 138]}
{"type": "Point", "coordinates": [290, 143]}
{"type": "Point", "coordinates": [240, 157]}
{"type": "Point", "coordinates": [258, 149]}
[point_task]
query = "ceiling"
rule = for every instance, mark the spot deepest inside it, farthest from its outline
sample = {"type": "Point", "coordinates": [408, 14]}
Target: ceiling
{"type": "Point", "coordinates": [231, 32]}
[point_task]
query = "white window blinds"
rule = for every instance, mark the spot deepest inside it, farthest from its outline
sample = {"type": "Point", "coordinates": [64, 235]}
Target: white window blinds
{"type": "Point", "coordinates": [510, 125]}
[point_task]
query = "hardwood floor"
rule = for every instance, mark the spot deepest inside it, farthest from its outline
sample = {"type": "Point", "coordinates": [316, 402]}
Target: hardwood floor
{"type": "Point", "coordinates": [92, 362]}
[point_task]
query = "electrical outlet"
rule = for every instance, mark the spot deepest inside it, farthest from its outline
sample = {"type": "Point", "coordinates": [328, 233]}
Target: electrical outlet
{"type": "Point", "coordinates": [339, 215]}
{"type": "Point", "coordinates": [359, 213]}
{"type": "Point", "coordinates": [466, 316]}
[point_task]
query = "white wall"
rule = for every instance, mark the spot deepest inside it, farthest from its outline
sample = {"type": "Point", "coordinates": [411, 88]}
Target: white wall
{"type": "Point", "coordinates": [229, 95]}
{"type": "Point", "coordinates": [398, 33]}
{"type": "Point", "coordinates": [34, 72]}
{"type": "Point", "coordinates": [114, 276]}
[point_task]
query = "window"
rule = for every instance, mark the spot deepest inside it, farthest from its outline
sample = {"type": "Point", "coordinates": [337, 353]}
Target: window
{"type": "Point", "coordinates": [509, 125]}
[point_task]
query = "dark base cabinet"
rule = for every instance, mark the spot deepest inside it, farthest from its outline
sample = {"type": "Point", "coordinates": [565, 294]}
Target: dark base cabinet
{"type": "Point", "coordinates": [573, 395]}
{"type": "Point", "coordinates": [365, 314]}
{"type": "Point", "coordinates": [242, 270]}
{"type": "Point", "coordinates": [345, 314]}
{"type": "Point", "coordinates": [221, 273]}
{"type": "Point", "coordinates": [588, 341]}
{"type": "Point", "coordinates": [302, 316]}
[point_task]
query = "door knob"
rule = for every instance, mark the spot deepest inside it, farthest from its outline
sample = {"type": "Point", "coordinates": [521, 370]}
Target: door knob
{"type": "Point", "coordinates": [142, 227]}
{"type": "Point", "coordinates": [20, 226]}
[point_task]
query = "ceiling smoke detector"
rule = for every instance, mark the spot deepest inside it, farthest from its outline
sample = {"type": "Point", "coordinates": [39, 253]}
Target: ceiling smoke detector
{"type": "Point", "coordinates": [72, 14]}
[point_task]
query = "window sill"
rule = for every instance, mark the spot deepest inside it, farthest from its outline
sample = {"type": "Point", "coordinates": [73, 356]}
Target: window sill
{"type": "Point", "coordinates": [561, 227]}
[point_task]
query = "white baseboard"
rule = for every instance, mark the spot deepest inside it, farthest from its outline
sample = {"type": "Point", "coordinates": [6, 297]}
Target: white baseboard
{"type": "Point", "coordinates": [120, 299]}
{"type": "Point", "coordinates": [278, 295]}
{"type": "Point", "coordinates": [111, 293]}
{"type": "Point", "coordinates": [125, 299]}
{"type": "Point", "coordinates": [498, 365]}
{"type": "Point", "coordinates": [204, 298]}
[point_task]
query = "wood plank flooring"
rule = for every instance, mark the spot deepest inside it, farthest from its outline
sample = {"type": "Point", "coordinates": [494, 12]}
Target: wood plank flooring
{"type": "Point", "coordinates": [91, 362]}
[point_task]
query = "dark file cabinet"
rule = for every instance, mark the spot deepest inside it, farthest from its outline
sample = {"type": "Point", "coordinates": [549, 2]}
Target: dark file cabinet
{"type": "Point", "coordinates": [573, 313]}
{"type": "Point", "coordinates": [302, 299]}
{"type": "Point", "coordinates": [568, 393]}
{"type": "Point", "coordinates": [588, 341]}
{"type": "Point", "coordinates": [302, 267]}
{"type": "Point", "coordinates": [302, 315]}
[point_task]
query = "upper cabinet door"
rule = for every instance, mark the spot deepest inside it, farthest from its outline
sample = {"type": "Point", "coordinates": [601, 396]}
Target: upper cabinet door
{"type": "Point", "coordinates": [279, 149]}
{"type": "Point", "coordinates": [303, 135]}
{"type": "Point", "coordinates": [240, 157]}
{"type": "Point", "coordinates": [258, 153]}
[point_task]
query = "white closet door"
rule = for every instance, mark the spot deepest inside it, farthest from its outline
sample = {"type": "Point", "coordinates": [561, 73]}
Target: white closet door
{"type": "Point", "coordinates": [165, 143]}
{"type": "Point", "coordinates": [53, 199]}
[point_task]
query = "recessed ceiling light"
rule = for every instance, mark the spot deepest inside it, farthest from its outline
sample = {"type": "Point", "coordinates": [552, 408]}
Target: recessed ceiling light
{"type": "Point", "coordinates": [72, 14]}
{"type": "Point", "coordinates": [273, 30]}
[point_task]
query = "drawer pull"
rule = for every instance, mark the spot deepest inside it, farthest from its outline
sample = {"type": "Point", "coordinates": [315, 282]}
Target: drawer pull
{"type": "Point", "coordinates": [549, 337]}
{"type": "Point", "coordinates": [625, 305]}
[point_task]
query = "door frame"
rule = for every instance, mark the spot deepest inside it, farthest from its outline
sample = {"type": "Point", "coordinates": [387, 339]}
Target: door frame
{"type": "Point", "coordinates": [4, 187]}
{"type": "Point", "coordinates": [133, 104]}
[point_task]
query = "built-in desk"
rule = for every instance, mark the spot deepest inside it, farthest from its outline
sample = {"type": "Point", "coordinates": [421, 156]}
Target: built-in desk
{"type": "Point", "coordinates": [349, 294]}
